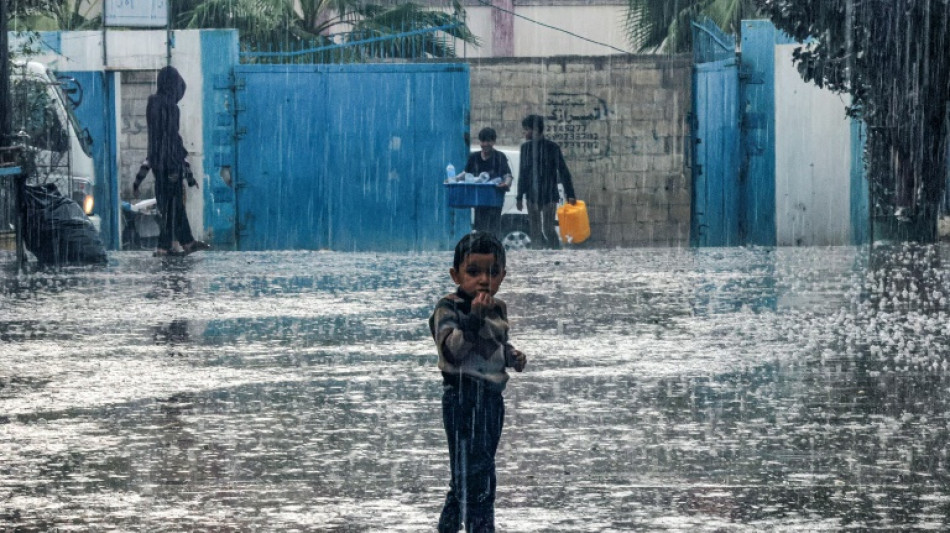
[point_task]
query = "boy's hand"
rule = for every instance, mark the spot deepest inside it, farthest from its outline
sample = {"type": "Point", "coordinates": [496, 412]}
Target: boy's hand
{"type": "Point", "coordinates": [482, 303]}
{"type": "Point", "coordinates": [520, 360]}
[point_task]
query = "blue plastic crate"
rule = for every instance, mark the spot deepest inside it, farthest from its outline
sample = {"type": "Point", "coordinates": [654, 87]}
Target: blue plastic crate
{"type": "Point", "coordinates": [466, 195]}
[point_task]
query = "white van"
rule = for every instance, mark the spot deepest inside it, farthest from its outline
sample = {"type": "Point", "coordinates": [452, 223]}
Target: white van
{"type": "Point", "coordinates": [514, 223]}
{"type": "Point", "coordinates": [43, 121]}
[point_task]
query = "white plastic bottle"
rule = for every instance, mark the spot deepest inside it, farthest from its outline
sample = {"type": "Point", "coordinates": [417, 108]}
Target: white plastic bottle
{"type": "Point", "coordinates": [450, 172]}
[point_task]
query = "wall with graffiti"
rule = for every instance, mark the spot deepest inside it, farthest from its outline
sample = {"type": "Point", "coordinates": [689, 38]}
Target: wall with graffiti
{"type": "Point", "coordinates": [622, 122]}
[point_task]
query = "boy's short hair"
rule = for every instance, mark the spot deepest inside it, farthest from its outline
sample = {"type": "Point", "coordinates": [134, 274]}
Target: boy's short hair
{"type": "Point", "coordinates": [533, 122]}
{"type": "Point", "coordinates": [478, 242]}
{"type": "Point", "coordinates": [487, 134]}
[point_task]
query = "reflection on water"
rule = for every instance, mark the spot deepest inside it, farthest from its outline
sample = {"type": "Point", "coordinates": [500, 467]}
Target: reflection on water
{"type": "Point", "coordinates": [713, 390]}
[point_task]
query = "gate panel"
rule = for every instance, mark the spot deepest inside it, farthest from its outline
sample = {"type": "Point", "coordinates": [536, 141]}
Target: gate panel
{"type": "Point", "coordinates": [349, 157]}
{"type": "Point", "coordinates": [96, 113]}
{"type": "Point", "coordinates": [715, 220]}
{"type": "Point", "coordinates": [758, 135]}
{"type": "Point", "coordinates": [281, 176]}
{"type": "Point", "coordinates": [715, 204]}
{"type": "Point", "coordinates": [372, 198]}
{"type": "Point", "coordinates": [441, 136]}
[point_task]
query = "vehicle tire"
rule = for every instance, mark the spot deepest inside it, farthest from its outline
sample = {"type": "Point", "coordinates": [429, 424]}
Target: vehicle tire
{"type": "Point", "coordinates": [514, 231]}
{"type": "Point", "coordinates": [516, 240]}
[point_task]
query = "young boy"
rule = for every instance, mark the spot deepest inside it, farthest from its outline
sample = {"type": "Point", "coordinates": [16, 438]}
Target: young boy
{"type": "Point", "coordinates": [470, 328]}
{"type": "Point", "coordinates": [496, 165]}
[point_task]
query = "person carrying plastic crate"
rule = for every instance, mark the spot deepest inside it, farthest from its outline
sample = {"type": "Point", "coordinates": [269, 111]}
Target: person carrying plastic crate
{"type": "Point", "coordinates": [495, 164]}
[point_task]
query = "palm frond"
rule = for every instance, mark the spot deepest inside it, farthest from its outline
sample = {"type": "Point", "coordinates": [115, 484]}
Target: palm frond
{"type": "Point", "coordinates": [378, 21]}
{"type": "Point", "coordinates": [648, 21]}
{"type": "Point", "coordinates": [654, 25]}
{"type": "Point", "coordinates": [61, 15]}
{"type": "Point", "coordinates": [275, 24]}
{"type": "Point", "coordinates": [261, 24]}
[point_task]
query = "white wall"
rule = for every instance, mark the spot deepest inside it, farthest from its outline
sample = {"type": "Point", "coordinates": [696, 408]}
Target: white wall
{"type": "Point", "coordinates": [598, 23]}
{"type": "Point", "coordinates": [812, 160]}
{"type": "Point", "coordinates": [601, 23]}
{"type": "Point", "coordinates": [186, 57]}
{"type": "Point", "coordinates": [479, 21]}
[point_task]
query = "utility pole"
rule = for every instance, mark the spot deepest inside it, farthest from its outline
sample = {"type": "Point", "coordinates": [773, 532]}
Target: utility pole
{"type": "Point", "coordinates": [9, 155]}
{"type": "Point", "coordinates": [5, 111]}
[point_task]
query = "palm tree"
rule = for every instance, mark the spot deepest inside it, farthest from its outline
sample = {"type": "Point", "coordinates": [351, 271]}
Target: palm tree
{"type": "Point", "coordinates": [282, 24]}
{"type": "Point", "coordinates": [52, 15]}
{"type": "Point", "coordinates": [664, 25]}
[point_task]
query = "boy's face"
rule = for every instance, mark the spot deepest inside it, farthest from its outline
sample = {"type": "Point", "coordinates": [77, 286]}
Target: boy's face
{"type": "Point", "coordinates": [529, 134]}
{"type": "Point", "coordinates": [478, 273]}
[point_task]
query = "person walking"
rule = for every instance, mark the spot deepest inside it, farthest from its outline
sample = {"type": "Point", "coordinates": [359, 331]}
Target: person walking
{"type": "Point", "coordinates": [495, 164]}
{"type": "Point", "coordinates": [542, 167]}
{"type": "Point", "coordinates": [166, 157]}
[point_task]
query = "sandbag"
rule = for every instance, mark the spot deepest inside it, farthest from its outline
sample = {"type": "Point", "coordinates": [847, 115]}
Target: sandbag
{"type": "Point", "coordinates": [57, 231]}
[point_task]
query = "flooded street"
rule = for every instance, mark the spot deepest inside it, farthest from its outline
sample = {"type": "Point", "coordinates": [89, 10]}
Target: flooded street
{"type": "Point", "coordinates": [666, 390]}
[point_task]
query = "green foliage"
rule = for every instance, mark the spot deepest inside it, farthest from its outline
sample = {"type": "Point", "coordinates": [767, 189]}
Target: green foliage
{"type": "Point", "coordinates": [665, 24]}
{"type": "Point", "coordinates": [51, 15]}
{"type": "Point", "coordinates": [257, 22]}
{"type": "Point", "coordinates": [279, 24]}
{"type": "Point", "coordinates": [276, 25]}
{"type": "Point", "coordinates": [891, 57]}
{"type": "Point", "coordinates": [379, 21]}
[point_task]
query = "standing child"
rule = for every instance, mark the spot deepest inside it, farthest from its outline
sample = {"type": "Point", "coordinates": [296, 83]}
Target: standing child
{"type": "Point", "coordinates": [495, 164]}
{"type": "Point", "coordinates": [470, 328]}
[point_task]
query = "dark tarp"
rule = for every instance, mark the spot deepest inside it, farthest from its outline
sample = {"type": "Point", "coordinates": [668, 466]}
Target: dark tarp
{"type": "Point", "coordinates": [57, 230]}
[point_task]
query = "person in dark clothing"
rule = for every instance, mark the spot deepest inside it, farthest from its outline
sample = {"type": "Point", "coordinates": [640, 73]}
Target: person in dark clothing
{"type": "Point", "coordinates": [542, 167]}
{"type": "Point", "coordinates": [166, 157]}
{"type": "Point", "coordinates": [495, 164]}
{"type": "Point", "coordinates": [470, 329]}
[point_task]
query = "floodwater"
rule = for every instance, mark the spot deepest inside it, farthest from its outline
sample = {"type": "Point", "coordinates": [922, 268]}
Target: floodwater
{"type": "Point", "coordinates": [666, 390]}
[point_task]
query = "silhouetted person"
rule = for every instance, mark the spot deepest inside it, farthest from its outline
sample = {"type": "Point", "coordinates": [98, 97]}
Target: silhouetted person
{"type": "Point", "coordinates": [542, 167]}
{"type": "Point", "coordinates": [166, 157]}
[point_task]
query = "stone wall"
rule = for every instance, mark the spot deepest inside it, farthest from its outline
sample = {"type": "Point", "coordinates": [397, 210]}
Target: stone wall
{"type": "Point", "coordinates": [133, 136]}
{"type": "Point", "coordinates": [622, 123]}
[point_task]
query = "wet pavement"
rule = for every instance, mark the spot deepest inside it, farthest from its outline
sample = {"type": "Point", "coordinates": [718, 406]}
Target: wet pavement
{"type": "Point", "coordinates": [666, 390]}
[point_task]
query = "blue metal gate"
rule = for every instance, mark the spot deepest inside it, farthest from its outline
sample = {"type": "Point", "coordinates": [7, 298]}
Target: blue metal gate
{"type": "Point", "coordinates": [348, 157]}
{"type": "Point", "coordinates": [95, 113]}
{"type": "Point", "coordinates": [716, 155]}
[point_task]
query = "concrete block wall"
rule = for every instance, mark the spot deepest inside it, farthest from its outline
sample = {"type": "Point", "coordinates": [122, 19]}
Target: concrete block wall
{"type": "Point", "coordinates": [622, 124]}
{"type": "Point", "coordinates": [133, 134]}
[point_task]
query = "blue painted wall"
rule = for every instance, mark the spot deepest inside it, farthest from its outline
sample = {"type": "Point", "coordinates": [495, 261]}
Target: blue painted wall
{"type": "Point", "coordinates": [349, 157]}
{"type": "Point", "coordinates": [96, 112]}
{"type": "Point", "coordinates": [757, 97]}
{"type": "Point", "coordinates": [219, 54]}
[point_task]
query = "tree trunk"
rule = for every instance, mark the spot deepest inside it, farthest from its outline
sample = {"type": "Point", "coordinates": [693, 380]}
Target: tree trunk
{"type": "Point", "coordinates": [907, 128]}
{"type": "Point", "coordinates": [920, 227]}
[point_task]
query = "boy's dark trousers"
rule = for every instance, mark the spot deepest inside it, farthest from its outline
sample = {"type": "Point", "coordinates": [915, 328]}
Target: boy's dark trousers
{"type": "Point", "coordinates": [473, 413]}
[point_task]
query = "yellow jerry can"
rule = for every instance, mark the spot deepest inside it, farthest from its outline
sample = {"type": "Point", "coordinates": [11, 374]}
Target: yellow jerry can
{"type": "Point", "coordinates": [573, 222]}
